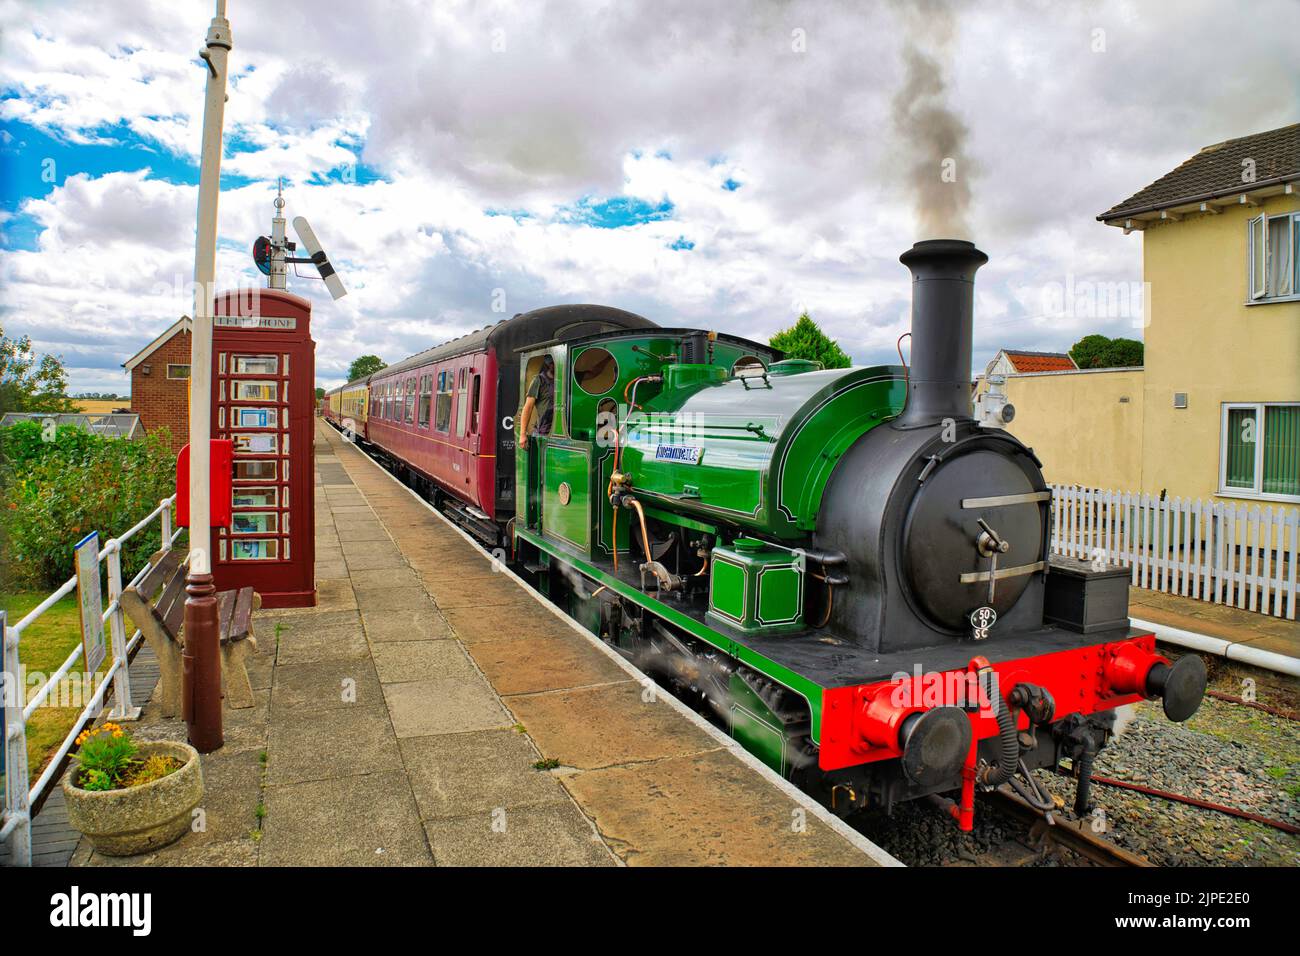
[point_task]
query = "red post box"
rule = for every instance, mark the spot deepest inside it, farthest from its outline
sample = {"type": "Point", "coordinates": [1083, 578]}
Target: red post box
{"type": "Point", "coordinates": [263, 393]}
{"type": "Point", "coordinates": [219, 472]}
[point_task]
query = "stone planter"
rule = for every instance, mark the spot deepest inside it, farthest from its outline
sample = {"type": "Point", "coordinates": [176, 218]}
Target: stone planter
{"type": "Point", "coordinates": [138, 819]}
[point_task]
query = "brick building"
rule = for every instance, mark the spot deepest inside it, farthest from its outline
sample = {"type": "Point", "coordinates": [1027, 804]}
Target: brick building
{"type": "Point", "coordinates": [160, 379]}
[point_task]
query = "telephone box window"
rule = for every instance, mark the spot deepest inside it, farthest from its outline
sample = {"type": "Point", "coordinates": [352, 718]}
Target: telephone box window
{"type": "Point", "coordinates": [255, 417]}
{"type": "Point", "coordinates": [255, 391]}
{"type": "Point", "coordinates": [254, 522]}
{"type": "Point", "coordinates": [254, 441]}
{"type": "Point", "coordinates": [254, 549]}
{"type": "Point", "coordinates": [254, 498]}
{"type": "Point", "coordinates": [256, 365]}
{"type": "Point", "coordinates": [254, 469]}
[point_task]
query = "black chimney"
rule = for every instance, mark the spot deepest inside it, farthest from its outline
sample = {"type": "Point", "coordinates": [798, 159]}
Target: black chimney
{"type": "Point", "coordinates": [943, 300]}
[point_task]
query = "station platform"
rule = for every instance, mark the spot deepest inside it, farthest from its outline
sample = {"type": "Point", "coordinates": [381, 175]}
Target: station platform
{"type": "Point", "coordinates": [434, 710]}
{"type": "Point", "coordinates": [1236, 626]}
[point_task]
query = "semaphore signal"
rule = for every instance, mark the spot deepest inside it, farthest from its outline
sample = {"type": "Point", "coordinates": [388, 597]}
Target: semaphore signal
{"type": "Point", "coordinates": [271, 253]}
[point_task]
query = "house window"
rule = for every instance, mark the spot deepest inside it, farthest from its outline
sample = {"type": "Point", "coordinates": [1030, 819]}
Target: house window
{"type": "Point", "coordinates": [1259, 454]}
{"type": "Point", "coordinates": [1273, 252]}
{"type": "Point", "coordinates": [178, 371]}
{"type": "Point", "coordinates": [442, 406]}
{"type": "Point", "coordinates": [426, 397]}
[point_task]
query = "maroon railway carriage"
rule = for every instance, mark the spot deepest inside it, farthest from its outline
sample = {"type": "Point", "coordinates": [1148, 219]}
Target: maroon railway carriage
{"type": "Point", "coordinates": [445, 417]}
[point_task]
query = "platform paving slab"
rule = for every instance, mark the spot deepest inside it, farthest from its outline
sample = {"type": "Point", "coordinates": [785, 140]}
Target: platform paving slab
{"type": "Point", "coordinates": [401, 661]}
{"type": "Point", "coordinates": [383, 579]}
{"type": "Point", "coordinates": [300, 643]}
{"type": "Point", "coordinates": [406, 625]}
{"type": "Point", "coordinates": [543, 662]}
{"type": "Point", "coordinates": [609, 725]}
{"type": "Point", "coordinates": [517, 620]}
{"type": "Point", "coordinates": [307, 689]}
{"type": "Point", "coordinates": [703, 810]}
{"type": "Point", "coordinates": [332, 745]}
{"type": "Point", "coordinates": [552, 835]}
{"type": "Point", "coordinates": [358, 820]}
{"type": "Point", "coordinates": [446, 705]}
{"type": "Point", "coordinates": [458, 774]}
{"type": "Point", "coordinates": [394, 599]}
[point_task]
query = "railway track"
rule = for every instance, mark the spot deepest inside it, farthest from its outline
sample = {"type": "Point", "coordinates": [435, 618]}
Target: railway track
{"type": "Point", "coordinates": [1076, 836]}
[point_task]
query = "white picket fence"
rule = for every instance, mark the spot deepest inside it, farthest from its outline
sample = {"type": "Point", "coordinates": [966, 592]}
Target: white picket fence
{"type": "Point", "coordinates": [1238, 554]}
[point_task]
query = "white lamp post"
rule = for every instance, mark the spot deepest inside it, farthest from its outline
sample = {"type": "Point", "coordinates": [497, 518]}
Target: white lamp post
{"type": "Point", "coordinates": [202, 670]}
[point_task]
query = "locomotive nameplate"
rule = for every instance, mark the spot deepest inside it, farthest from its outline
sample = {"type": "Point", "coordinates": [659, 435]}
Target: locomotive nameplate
{"type": "Point", "coordinates": [682, 454]}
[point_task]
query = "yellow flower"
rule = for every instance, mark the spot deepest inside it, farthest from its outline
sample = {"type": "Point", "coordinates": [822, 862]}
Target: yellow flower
{"type": "Point", "coordinates": [117, 733]}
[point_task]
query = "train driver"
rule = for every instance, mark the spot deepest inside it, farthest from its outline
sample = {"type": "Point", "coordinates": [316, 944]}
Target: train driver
{"type": "Point", "coordinates": [539, 406]}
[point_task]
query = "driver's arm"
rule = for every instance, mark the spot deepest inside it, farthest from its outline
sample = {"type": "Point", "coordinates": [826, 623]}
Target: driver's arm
{"type": "Point", "coordinates": [526, 416]}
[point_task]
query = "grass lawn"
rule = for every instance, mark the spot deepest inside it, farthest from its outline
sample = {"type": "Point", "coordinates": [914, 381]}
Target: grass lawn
{"type": "Point", "coordinates": [44, 647]}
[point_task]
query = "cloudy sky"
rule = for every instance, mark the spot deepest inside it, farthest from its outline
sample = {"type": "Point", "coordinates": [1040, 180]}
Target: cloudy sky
{"type": "Point", "coordinates": [714, 164]}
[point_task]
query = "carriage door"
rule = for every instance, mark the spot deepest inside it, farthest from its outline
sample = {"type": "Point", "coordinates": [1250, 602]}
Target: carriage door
{"type": "Point", "coordinates": [464, 471]}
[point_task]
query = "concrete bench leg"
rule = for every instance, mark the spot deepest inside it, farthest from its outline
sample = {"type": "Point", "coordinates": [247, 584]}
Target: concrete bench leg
{"type": "Point", "coordinates": [168, 653]}
{"type": "Point", "coordinates": [239, 692]}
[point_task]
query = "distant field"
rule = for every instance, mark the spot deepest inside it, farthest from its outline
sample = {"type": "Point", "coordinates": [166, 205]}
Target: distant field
{"type": "Point", "coordinates": [101, 406]}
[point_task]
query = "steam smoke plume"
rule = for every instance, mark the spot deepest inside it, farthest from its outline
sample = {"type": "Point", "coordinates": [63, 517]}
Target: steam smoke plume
{"type": "Point", "coordinates": [935, 169]}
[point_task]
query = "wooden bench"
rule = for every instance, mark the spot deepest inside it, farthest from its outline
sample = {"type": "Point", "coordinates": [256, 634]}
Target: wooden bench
{"type": "Point", "coordinates": [157, 607]}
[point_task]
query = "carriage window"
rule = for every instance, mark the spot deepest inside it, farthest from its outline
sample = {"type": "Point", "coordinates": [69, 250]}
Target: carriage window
{"type": "Point", "coordinates": [442, 406]}
{"type": "Point", "coordinates": [595, 371]}
{"type": "Point", "coordinates": [410, 401]}
{"type": "Point", "coordinates": [462, 402]}
{"type": "Point", "coordinates": [426, 398]}
{"type": "Point", "coordinates": [478, 389]}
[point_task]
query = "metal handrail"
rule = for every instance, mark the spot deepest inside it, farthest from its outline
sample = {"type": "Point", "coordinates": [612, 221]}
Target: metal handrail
{"type": "Point", "coordinates": [19, 798]}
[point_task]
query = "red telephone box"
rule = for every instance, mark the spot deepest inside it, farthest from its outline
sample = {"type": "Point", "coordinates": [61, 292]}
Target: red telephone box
{"type": "Point", "coordinates": [263, 394]}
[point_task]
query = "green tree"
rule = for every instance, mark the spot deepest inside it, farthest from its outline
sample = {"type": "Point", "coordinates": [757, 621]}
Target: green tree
{"type": "Point", "coordinates": [365, 365]}
{"type": "Point", "coordinates": [320, 393]}
{"type": "Point", "coordinates": [806, 340]}
{"type": "Point", "coordinates": [31, 382]}
{"type": "Point", "coordinates": [1099, 351]}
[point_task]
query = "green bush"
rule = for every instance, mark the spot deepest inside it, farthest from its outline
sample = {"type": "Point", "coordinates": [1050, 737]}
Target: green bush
{"type": "Point", "coordinates": [57, 492]}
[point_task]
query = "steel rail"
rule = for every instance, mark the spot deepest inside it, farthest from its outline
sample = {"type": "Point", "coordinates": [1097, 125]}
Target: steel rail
{"type": "Point", "coordinates": [1197, 802]}
{"type": "Point", "coordinates": [1076, 835]}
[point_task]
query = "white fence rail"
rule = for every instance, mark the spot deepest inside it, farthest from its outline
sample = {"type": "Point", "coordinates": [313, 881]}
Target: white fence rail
{"type": "Point", "coordinates": [16, 824]}
{"type": "Point", "coordinates": [1237, 554]}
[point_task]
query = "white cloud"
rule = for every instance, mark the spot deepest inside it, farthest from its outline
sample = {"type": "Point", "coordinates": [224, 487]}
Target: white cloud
{"type": "Point", "coordinates": [467, 107]}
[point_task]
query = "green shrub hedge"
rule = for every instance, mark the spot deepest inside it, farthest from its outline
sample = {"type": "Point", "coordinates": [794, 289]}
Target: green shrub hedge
{"type": "Point", "coordinates": [56, 492]}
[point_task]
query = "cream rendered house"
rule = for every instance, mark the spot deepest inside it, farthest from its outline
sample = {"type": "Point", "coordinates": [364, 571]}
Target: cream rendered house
{"type": "Point", "coordinates": [1221, 382]}
{"type": "Point", "coordinates": [1214, 414]}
